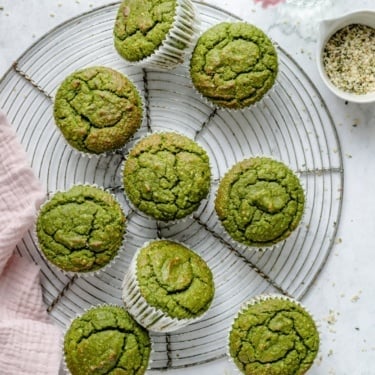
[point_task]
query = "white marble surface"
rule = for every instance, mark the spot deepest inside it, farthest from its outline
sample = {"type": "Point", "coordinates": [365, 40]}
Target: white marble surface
{"type": "Point", "coordinates": [343, 297]}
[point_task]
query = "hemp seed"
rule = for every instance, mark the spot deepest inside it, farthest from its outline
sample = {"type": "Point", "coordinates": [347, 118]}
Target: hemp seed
{"type": "Point", "coordinates": [349, 59]}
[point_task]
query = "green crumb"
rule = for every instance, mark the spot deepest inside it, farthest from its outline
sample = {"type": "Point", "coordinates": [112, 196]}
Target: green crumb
{"type": "Point", "coordinates": [260, 201]}
{"type": "Point", "coordinates": [141, 27]}
{"type": "Point", "coordinates": [273, 336]}
{"type": "Point", "coordinates": [82, 229]}
{"type": "Point", "coordinates": [174, 279]}
{"type": "Point", "coordinates": [166, 175]}
{"type": "Point", "coordinates": [106, 340]}
{"type": "Point", "coordinates": [97, 109]}
{"type": "Point", "coordinates": [234, 64]}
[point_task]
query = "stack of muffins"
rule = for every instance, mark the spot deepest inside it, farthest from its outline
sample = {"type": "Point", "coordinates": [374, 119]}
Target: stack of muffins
{"type": "Point", "coordinates": [166, 176]}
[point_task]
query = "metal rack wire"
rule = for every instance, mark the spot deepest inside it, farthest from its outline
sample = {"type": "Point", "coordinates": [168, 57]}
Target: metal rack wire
{"type": "Point", "coordinates": [292, 124]}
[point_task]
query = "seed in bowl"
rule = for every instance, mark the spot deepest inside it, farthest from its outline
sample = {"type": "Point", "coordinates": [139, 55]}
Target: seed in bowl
{"type": "Point", "coordinates": [349, 59]}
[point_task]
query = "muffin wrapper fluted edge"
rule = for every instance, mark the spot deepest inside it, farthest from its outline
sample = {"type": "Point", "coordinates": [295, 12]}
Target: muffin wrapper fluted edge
{"type": "Point", "coordinates": [148, 316]}
{"type": "Point", "coordinates": [184, 29]}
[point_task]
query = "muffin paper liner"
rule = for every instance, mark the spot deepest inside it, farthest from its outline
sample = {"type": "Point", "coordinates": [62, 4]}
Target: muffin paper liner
{"type": "Point", "coordinates": [271, 247]}
{"type": "Point", "coordinates": [259, 298]}
{"type": "Point", "coordinates": [91, 155]}
{"type": "Point", "coordinates": [148, 316]}
{"type": "Point", "coordinates": [254, 105]}
{"type": "Point", "coordinates": [151, 218]}
{"type": "Point", "coordinates": [62, 340]}
{"type": "Point", "coordinates": [97, 272]}
{"type": "Point", "coordinates": [184, 30]}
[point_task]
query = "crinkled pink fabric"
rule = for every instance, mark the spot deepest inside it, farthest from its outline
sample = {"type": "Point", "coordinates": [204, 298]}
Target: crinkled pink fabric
{"type": "Point", "coordinates": [29, 342]}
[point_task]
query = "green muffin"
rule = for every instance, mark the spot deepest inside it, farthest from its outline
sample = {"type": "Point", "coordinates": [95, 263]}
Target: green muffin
{"type": "Point", "coordinates": [166, 175]}
{"type": "Point", "coordinates": [260, 201]}
{"type": "Point", "coordinates": [81, 229]}
{"type": "Point", "coordinates": [106, 340]}
{"type": "Point", "coordinates": [97, 109]}
{"type": "Point", "coordinates": [273, 336]}
{"type": "Point", "coordinates": [154, 31]}
{"type": "Point", "coordinates": [167, 286]}
{"type": "Point", "coordinates": [233, 64]}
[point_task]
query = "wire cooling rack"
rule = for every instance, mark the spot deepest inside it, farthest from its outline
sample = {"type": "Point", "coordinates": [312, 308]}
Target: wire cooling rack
{"type": "Point", "coordinates": [292, 124]}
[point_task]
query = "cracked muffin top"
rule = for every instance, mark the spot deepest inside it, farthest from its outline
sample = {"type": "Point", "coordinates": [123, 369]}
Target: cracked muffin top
{"type": "Point", "coordinates": [106, 340]}
{"type": "Point", "coordinates": [97, 109]}
{"type": "Point", "coordinates": [260, 201]}
{"type": "Point", "coordinates": [141, 27]}
{"type": "Point", "coordinates": [174, 279]}
{"type": "Point", "coordinates": [82, 229]}
{"type": "Point", "coordinates": [166, 175]}
{"type": "Point", "coordinates": [273, 336]}
{"type": "Point", "coordinates": [233, 64]}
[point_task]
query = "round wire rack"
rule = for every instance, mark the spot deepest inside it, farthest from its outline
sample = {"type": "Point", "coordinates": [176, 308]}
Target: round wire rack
{"type": "Point", "coordinates": [291, 124]}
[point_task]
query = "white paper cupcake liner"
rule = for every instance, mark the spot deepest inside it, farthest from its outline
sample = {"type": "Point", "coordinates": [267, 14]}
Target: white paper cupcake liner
{"type": "Point", "coordinates": [96, 272]}
{"type": "Point", "coordinates": [146, 315]}
{"type": "Point", "coordinates": [64, 363]}
{"type": "Point", "coordinates": [254, 300]}
{"type": "Point", "coordinates": [151, 218]}
{"type": "Point", "coordinates": [254, 105]}
{"type": "Point", "coordinates": [183, 31]}
{"type": "Point", "coordinates": [269, 247]}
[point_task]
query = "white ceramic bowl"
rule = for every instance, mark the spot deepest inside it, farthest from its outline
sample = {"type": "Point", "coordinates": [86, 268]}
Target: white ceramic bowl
{"type": "Point", "coordinates": [326, 29]}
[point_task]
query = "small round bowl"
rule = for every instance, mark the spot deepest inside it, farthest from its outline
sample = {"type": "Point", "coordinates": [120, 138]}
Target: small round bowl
{"type": "Point", "coordinates": [326, 29]}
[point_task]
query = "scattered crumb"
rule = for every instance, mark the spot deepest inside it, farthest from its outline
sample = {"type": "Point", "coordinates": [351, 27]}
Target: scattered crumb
{"type": "Point", "coordinates": [59, 5]}
{"type": "Point", "coordinates": [332, 317]}
{"type": "Point", "coordinates": [330, 352]}
{"type": "Point", "coordinates": [348, 156]}
{"type": "Point", "coordinates": [52, 15]}
{"type": "Point", "coordinates": [338, 240]}
{"type": "Point", "coordinates": [7, 14]}
{"type": "Point", "coordinates": [356, 328]}
{"type": "Point", "coordinates": [342, 295]}
{"type": "Point", "coordinates": [1, 7]}
{"type": "Point", "coordinates": [355, 298]}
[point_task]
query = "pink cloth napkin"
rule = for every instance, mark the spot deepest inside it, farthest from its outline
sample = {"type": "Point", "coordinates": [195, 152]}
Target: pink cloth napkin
{"type": "Point", "coordinates": [29, 342]}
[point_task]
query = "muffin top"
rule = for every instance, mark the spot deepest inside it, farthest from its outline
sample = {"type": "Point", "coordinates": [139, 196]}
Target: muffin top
{"type": "Point", "coordinates": [97, 109]}
{"type": "Point", "coordinates": [174, 279]}
{"type": "Point", "coordinates": [273, 336]}
{"type": "Point", "coordinates": [233, 64]}
{"type": "Point", "coordinates": [141, 27]}
{"type": "Point", "coordinates": [82, 229]}
{"type": "Point", "coordinates": [106, 340]}
{"type": "Point", "coordinates": [259, 201]}
{"type": "Point", "coordinates": [166, 175]}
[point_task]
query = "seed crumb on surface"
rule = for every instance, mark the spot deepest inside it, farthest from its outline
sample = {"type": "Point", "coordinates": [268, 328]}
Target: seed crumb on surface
{"type": "Point", "coordinates": [356, 297]}
{"type": "Point", "coordinates": [331, 318]}
{"type": "Point", "coordinates": [349, 59]}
